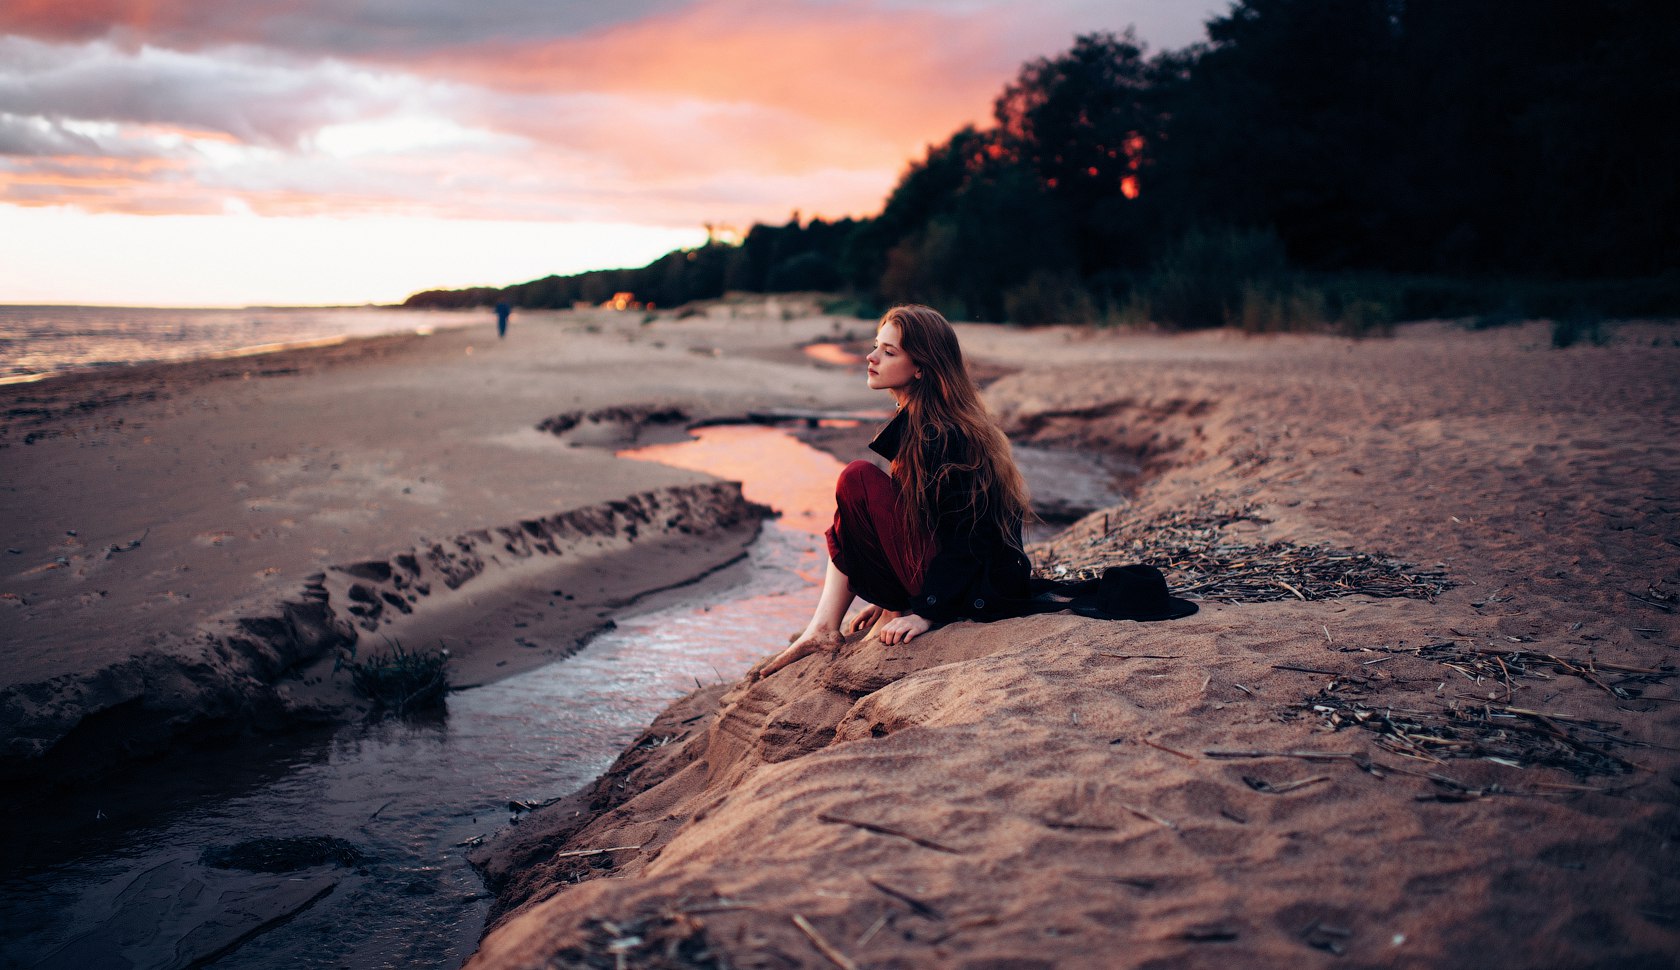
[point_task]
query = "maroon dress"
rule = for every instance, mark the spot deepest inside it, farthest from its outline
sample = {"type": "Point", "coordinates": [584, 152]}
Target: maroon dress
{"type": "Point", "coordinates": [964, 569]}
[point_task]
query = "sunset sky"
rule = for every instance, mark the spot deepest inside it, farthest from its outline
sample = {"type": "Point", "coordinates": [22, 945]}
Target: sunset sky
{"type": "Point", "coordinates": [178, 152]}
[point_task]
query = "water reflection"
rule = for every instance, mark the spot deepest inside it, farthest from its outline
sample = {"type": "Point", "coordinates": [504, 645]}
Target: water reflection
{"type": "Point", "coordinates": [771, 466]}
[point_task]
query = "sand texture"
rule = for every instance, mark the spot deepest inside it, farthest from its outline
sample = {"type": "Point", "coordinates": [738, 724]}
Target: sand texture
{"type": "Point", "coordinates": [188, 548]}
{"type": "Point", "coordinates": [1425, 717]}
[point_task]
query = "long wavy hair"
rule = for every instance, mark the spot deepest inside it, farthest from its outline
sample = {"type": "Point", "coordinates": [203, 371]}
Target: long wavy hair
{"type": "Point", "coordinates": [943, 400]}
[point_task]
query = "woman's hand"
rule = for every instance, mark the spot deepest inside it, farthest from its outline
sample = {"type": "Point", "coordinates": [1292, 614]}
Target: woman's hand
{"type": "Point", "coordinates": [903, 629]}
{"type": "Point", "coordinates": [809, 642]}
{"type": "Point", "coordinates": [864, 619]}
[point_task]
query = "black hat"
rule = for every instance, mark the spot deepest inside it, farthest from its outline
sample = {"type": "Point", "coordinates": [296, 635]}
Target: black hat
{"type": "Point", "coordinates": [1135, 592]}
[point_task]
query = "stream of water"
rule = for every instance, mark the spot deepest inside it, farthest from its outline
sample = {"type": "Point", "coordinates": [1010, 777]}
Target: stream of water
{"type": "Point", "coordinates": [407, 797]}
{"type": "Point", "coordinates": [410, 795]}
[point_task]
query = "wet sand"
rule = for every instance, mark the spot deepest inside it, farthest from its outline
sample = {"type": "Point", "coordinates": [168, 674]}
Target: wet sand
{"type": "Point", "coordinates": [1426, 716]}
{"type": "Point", "coordinates": [189, 546]}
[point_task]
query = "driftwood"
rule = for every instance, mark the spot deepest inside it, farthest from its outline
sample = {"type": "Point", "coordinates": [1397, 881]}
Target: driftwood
{"type": "Point", "coordinates": [881, 829]}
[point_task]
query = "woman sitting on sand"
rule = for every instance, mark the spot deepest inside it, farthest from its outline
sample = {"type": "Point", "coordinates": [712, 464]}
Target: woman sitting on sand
{"type": "Point", "coordinates": [940, 538]}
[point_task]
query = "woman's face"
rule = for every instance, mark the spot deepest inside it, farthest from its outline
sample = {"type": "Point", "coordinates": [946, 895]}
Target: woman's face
{"type": "Point", "coordinates": [890, 368]}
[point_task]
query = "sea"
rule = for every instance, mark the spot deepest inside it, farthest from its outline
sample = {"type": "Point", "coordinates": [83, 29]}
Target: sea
{"type": "Point", "coordinates": [39, 341]}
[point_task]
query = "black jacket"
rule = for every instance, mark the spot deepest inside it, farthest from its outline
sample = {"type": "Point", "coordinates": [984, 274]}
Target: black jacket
{"type": "Point", "coordinates": [978, 570]}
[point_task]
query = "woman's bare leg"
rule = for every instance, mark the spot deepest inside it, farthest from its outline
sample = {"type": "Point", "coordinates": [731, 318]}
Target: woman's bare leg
{"type": "Point", "coordinates": [823, 632]}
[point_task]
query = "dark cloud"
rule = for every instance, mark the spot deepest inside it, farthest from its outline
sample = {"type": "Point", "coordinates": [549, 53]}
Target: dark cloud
{"type": "Point", "coordinates": [40, 138]}
{"type": "Point", "coordinates": [254, 98]}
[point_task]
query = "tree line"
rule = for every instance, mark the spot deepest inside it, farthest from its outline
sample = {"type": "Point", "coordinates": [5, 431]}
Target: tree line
{"type": "Point", "coordinates": [1339, 160]}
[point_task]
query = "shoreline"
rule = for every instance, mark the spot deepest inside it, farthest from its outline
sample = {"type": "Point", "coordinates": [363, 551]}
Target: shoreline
{"type": "Point", "coordinates": [455, 320]}
{"type": "Point", "coordinates": [1224, 788]}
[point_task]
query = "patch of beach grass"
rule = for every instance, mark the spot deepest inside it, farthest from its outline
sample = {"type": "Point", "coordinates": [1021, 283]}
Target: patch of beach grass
{"type": "Point", "coordinates": [398, 681]}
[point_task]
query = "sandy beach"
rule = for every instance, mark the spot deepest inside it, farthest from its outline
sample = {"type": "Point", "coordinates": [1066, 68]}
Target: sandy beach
{"type": "Point", "coordinates": [1425, 716]}
{"type": "Point", "coordinates": [189, 546]}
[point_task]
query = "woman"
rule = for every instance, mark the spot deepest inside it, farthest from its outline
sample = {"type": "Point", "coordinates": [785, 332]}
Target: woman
{"type": "Point", "coordinates": [940, 538]}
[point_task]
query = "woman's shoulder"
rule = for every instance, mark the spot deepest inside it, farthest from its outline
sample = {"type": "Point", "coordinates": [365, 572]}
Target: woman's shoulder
{"type": "Point", "coordinates": [887, 440]}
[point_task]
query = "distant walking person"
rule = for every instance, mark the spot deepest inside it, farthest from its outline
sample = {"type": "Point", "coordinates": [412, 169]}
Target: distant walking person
{"type": "Point", "coordinates": [503, 311]}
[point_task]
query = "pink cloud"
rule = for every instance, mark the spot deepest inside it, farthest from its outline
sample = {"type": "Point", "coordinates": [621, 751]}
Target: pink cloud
{"type": "Point", "coordinates": [660, 111]}
{"type": "Point", "coordinates": [322, 27]}
{"type": "Point", "coordinates": [880, 83]}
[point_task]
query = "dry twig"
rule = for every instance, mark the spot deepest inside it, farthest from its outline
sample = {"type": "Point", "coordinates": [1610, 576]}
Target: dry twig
{"type": "Point", "coordinates": [578, 852]}
{"type": "Point", "coordinates": [823, 946]}
{"type": "Point", "coordinates": [887, 830]}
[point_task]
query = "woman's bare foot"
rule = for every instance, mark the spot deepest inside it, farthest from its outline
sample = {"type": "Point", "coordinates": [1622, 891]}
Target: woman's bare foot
{"type": "Point", "coordinates": [812, 641]}
{"type": "Point", "coordinates": [869, 616]}
{"type": "Point", "coordinates": [881, 620]}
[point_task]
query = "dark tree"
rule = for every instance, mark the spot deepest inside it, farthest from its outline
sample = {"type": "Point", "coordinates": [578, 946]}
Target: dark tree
{"type": "Point", "coordinates": [1305, 143]}
{"type": "Point", "coordinates": [1086, 122]}
{"type": "Point", "coordinates": [1284, 121]}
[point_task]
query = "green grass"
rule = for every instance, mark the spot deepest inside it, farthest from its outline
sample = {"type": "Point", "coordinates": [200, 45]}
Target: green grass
{"type": "Point", "coordinates": [1235, 278]}
{"type": "Point", "coordinates": [399, 681]}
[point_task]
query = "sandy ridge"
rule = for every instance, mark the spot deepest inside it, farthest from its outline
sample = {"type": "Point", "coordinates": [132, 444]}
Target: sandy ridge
{"type": "Point", "coordinates": [241, 669]}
